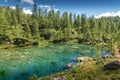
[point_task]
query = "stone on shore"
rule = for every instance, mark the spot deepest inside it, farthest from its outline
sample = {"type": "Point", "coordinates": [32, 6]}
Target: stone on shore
{"type": "Point", "coordinates": [112, 66]}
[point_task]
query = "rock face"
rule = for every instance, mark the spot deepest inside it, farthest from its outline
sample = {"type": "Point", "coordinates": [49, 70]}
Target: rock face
{"type": "Point", "coordinates": [112, 66]}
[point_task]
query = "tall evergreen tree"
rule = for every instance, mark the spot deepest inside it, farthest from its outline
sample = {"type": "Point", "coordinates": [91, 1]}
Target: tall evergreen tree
{"type": "Point", "coordinates": [27, 30]}
{"type": "Point", "coordinates": [8, 15]}
{"type": "Point", "coordinates": [35, 14]}
{"type": "Point", "coordinates": [35, 30]}
{"type": "Point", "coordinates": [83, 25]}
{"type": "Point", "coordinates": [19, 14]}
{"type": "Point", "coordinates": [3, 22]}
{"type": "Point", "coordinates": [14, 21]}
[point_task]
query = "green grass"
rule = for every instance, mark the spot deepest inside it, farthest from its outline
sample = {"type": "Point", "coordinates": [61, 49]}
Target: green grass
{"type": "Point", "coordinates": [89, 71]}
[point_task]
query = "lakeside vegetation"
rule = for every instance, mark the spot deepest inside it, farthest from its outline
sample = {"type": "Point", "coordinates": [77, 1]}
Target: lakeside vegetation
{"type": "Point", "coordinates": [87, 71]}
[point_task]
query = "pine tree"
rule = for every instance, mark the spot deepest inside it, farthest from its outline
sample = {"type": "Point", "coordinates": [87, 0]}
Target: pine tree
{"type": "Point", "coordinates": [35, 14]}
{"type": "Point", "coordinates": [83, 25]}
{"type": "Point", "coordinates": [3, 22]}
{"type": "Point", "coordinates": [35, 30]}
{"type": "Point", "coordinates": [57, 21]}
{"type": "Point", "coordinates": [14, 20]}
{"type": "Point", "coordinates": [8, 15]}
{"type": "Point", "coordinates": [27, 30]}
{"type": "Point", "coordinates": [71, 19]}
{"type": "Point", "coordinates": [19, 14]}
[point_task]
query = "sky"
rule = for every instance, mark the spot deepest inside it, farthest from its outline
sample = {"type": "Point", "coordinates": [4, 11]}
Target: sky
{"type": "Point", "coordinates": [98, 8]}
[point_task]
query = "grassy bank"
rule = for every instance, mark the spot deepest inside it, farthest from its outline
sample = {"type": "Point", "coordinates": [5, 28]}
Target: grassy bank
{"type": "Point", "coordinates": [88, 71]}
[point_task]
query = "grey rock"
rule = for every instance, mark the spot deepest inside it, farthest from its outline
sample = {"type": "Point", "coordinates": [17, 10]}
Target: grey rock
{"type": "Point", "coordinates": [112, 66]}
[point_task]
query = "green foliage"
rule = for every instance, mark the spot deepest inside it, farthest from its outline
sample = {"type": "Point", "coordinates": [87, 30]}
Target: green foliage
{"type": "Point", "coordinates": [19, 42]}
{"type": "Point", "coordinates": [3, 22]}
{"type": "Point", "coordinates": [19, 14]}
{"type": "Point", "coordinates": [27, 31]}
{"type": "Point", "coordinates": [35, 12]}
{"type": "Point", "coordinates": [51, 26]}
{"type": "Point", "coordinates": [14, 20]}
{"type": "Point", "coordinates": [35, 30]}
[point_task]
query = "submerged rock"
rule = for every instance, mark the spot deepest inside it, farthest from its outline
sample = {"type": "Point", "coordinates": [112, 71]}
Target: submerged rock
{"type": "Point", "coordinates": [53, 63]}
{"type": "Point", "coordinates": [74, 47]}
{"type": "Point", "coordinates": [69, 65]}
{"type": "Point", "coordinates": [112, 66]}
{"type": "Point", "coordinates": [22, 56]}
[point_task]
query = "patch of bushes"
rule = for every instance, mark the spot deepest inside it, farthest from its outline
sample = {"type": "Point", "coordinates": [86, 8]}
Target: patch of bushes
{"type": "Point", "coordinates": [35, 43]}
{"type": "Point", "coordinates": [20, 42]}
{"type": "Point", "coordinates": [4, 39]}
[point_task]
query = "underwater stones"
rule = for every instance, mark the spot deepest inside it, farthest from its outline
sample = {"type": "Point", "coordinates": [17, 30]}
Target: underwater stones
{"type": "Point", "coordinates": [84, 59]}
{"type": "Point", "coordinates": [22, 56]}
{"type": "Point", "coordinates": [38, 55]}
{"type": "Point", "coordinates": [43, 60]}
{"type": "Point", "coordinates": [56, 51]}
{"type": "Point", "coordinates": [86, 51]}
{"type": "Point", "coordinates": [112, 66]}
{"type": "Point", "coordinates": [69, 65]}
{"type": "Point", "coordinates": [29, 62]}
{"type": "Point", "coordinates": [53, 63]}
{"type": "Point", "coordinates": [26, 53]}
{"type": "Point", "coordinates": [74, 47]}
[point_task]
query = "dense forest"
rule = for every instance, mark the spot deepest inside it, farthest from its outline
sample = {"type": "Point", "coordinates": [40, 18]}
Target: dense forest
{"type": "Point", "coordinates": [19, 29]}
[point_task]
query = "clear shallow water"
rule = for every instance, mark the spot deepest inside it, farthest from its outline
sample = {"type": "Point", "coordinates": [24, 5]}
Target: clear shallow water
{"type": "Point", "coordinates": [22, 63]}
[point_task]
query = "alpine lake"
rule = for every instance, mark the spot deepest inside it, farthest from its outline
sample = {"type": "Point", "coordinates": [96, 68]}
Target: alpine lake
{"type": "Point", "coordinates": [19, 64]}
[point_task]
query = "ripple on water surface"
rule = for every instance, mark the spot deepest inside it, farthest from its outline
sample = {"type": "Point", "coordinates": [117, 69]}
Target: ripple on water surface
{"type": "Point", "coordinates": [22, 63]}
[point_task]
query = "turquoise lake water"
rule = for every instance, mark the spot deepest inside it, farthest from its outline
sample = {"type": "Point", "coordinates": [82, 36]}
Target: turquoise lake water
{"type": "Point", "coordinates": [21, 63]}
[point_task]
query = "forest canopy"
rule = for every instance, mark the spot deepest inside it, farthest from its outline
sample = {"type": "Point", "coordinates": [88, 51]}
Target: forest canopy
{"type": "Point", "coordinates": [22, 29]}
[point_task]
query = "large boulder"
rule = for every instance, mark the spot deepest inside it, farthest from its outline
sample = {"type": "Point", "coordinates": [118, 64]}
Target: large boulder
{"type": "Point", "coordinates": [112, 66]}
{"type": "Point", "coordinates": [84, 59]}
